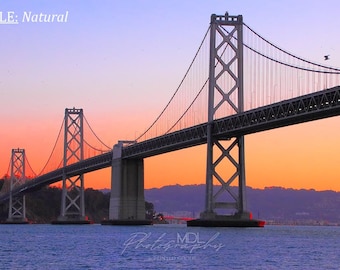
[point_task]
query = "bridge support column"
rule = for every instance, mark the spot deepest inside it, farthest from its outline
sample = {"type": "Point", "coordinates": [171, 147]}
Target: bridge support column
{"type": "Point", "coordinates": [72, 200]}
{"type": "Point", "coordinates": [17, 205]}
{"type": "Point", "coordinates": [127, 203]}
{"type": "Point", "coordinates": [224, 206]}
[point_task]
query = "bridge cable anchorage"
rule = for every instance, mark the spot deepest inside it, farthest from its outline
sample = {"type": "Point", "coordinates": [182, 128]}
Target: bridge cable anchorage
{"type": "Point", "coordinates": [179, 86]}
{"type": "Point", "coordinates": [96, 135]}
{"type": "Point", "coordinates": [54, 147]}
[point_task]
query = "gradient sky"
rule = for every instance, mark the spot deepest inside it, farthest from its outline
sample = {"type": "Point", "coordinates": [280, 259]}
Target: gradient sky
{"type": "Point", "coordinates": [121, 61]}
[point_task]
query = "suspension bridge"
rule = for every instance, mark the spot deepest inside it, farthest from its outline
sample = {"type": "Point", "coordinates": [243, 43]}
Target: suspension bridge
{"type": "Point", "coordinates": [238, 83]}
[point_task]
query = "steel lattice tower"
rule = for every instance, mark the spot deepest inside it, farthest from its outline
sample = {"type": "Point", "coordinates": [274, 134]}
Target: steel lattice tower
{"type": "Point", "coordinates": [17, 207]}
{"type": "Point", "coordinates": [225, 95]}
{"type": "Point", "coordinates": [72, 201]}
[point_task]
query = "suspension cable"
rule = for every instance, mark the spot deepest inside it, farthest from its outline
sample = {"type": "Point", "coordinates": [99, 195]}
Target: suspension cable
{"type": "Point", "coordinates": [296, 57]}
{"type": "Point", "coordinates": [60, 163]}
{"type": "Point", "coordinates": [205, 83]}
{"type": "Point", "coordinates": [192, 103]}
{"type": "Point", "coordinates": [192, 62]}
{"type": "Point", "coordinates": [337, 71]}
{"type": "Point", "coordinates": [94, 148]}
{"type": "Point", "coordinates": [292, 66]}
{"type": "Point", "coordinates": [96, 135]}
{"type": "Point", "coordinates": [8, 168]}
{"type": "Point", "coordinates": [29, 165]}
{"type": "Point", "coordinates": [55, 144]}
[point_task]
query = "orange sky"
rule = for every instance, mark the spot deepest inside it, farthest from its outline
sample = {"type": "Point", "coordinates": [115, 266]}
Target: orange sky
{"type": "Point", "coordinates": [122, 76]}
{"type": "Point", "coordinates": [299, 156]}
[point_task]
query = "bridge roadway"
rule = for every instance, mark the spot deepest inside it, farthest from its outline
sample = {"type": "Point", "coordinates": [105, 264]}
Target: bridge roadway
{"type": "Point", "coordinates": [319, 105]}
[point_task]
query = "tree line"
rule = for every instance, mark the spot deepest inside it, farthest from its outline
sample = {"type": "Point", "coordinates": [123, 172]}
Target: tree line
{"type": "Point", "coordinates": [43, 206]}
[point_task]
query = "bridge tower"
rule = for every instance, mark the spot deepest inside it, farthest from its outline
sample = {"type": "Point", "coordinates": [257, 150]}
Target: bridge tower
{"type": "Point", "coordinates": [17, 207]}
{"type": "Point", "coordinates": [225, 156]}
{"type": "Point", "coordinates": [72, 200]}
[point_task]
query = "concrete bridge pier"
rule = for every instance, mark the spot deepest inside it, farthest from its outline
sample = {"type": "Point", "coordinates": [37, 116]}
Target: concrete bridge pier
{"type": "Point", "coordinates": [127, 203]}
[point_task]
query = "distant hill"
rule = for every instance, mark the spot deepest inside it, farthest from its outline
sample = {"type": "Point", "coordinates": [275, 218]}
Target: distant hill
{"type": "Point", "coordinates": [274, 204]}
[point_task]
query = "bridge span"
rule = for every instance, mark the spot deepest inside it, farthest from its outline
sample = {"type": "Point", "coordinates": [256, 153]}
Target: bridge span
{"type": "Point", "coordinates": [315, 106]}
{"type": "Point", "coordinates": [251, 86]}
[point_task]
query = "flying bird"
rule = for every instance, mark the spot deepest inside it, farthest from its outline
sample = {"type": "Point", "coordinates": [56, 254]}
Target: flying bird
{"type": "Point", "coordinates": [326, 57]}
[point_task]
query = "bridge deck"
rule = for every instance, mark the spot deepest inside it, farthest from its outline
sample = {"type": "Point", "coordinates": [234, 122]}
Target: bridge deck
{"type": "Point", "coordinates": [305, 108]}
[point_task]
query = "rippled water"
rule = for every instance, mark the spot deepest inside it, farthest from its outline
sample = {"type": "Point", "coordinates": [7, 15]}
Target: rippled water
{"type": "Point", "coordinates": [168, 247]}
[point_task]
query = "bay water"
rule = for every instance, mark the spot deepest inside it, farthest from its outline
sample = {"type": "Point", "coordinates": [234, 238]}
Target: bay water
{"type": "Point", "coordinates": [168, 247]}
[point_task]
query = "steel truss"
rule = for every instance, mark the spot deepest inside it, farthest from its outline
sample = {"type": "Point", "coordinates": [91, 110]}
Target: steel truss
{"type": "Point", "coordinates": [225, 158]}
{"type": "Point", "coordinates": [297, 110]}
{"type": "Point", "coordinates": [17, 207]}
{"type": "Point", "coordinates": [315, 106]}
{"type": "Point", "coordinates": [72, 201]}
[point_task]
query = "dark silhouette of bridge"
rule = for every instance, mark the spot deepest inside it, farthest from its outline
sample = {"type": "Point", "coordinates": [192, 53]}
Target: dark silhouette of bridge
{"type": "Point", "coordinates": [236, 107]}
